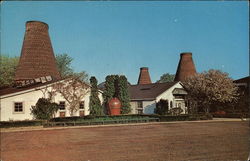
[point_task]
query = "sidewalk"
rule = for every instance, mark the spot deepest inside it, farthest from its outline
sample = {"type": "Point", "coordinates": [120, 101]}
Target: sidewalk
{"type": "Point", "coordinates": [36, 128]}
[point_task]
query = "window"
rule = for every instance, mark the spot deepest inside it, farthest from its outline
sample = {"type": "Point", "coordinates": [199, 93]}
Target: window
{"type": "Point", "coordinates": [81, 106]}
{"type": "Point", "coordinates": [139, 104]}
{"type": "Point", "coordinates": [18, 107]}
{"type": "Point", "coordinates": [139, 107]}
{"type": "Point", "coordinates": [62, 105]}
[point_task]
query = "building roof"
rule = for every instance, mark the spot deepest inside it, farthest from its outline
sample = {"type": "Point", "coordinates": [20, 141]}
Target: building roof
{"type": "Point", "coordinates": [243, 80]}
{"type": "Point", "coordinates": [148, 91]}
{"type": "Point", "coordinates": [10, 90]}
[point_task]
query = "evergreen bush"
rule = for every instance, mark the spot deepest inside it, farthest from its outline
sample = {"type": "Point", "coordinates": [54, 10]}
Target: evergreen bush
{"type": "Point", "coordinates": [123, 95]}
{"type": "Point", "coordinates": [117, 86]}
{"type": "Point", "coordinates": [94, 102]}
{"type": "Point", "coordinates": [161, 107]}
{"type": "Point", "coordinates": [44, 109]}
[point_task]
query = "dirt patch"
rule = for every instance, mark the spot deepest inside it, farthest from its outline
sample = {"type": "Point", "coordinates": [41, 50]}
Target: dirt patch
{"type": "Point", "coordinates": [156, 142]}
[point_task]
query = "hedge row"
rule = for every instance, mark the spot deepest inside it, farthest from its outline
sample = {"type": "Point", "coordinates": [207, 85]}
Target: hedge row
{"type": "Point", "coordinates": [101, 122]}
{"type": "Point", "coordinates": [77, 119]}
{"type": "Point", "coordinates": [89, 117]}
{"type": "Point", "coordinates": [232, 115]}
{"type": "Point", "coordinates": [162, 118]}
{"type": "Point", "coordinates": [8, 124]}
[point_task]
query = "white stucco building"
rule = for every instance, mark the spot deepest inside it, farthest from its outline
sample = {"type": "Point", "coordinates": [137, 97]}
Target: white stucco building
{"type": "Point", "coordinates": [16, 103]}
{"type": "Point", "coordinates": [145, 96]}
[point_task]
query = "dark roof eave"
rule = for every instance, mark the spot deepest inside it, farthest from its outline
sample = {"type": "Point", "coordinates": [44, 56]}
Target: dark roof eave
{"type": "Point", "coordinates": [142, 99]}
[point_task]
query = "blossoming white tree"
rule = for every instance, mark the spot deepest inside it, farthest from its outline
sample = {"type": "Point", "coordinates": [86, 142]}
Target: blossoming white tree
{"type": "Point", "coordinates": [73, 90]}
{"type": "Point", "coordinates": [211, 87]}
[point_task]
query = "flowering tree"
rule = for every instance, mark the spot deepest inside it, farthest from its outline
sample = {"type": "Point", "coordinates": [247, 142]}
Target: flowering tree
{"type": "Point", "coordinates": [210, 88]}
{"type": "Point", "coordinates": [73, 90]}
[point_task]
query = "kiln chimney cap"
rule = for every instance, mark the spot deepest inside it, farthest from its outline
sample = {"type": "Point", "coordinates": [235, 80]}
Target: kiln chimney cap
{"type": "Point", "coordinates": [38, 22]}
{"type": "Point", "coordinates": [144, 68]}
{"type": "Point", "coordinates": [186, 54]}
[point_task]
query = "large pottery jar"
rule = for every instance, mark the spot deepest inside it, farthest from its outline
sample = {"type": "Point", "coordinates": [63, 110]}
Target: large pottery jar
{"type": "Point", "coordinates": [115, 106]}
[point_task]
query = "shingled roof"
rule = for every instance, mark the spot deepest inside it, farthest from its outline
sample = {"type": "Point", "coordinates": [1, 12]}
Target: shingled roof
{"type": "Point", "coordinates": [11, 90]}
{"type": "Point", "coordinates": [243, 80]}
{"type": "Point", "coordinates": [148, 91]}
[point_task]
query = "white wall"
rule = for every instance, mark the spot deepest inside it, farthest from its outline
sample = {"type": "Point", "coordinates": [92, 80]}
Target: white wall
{"type": "Point", "coordinates": [7, 105]}
{"type": "Point", "coordinates": [30, 98]}
{"type": "Point", "coordinates": [170, 97]}
{"type": "Point", "coordinates": [148, 107]}
{"type": "Point", "coordinates": [133, 107]}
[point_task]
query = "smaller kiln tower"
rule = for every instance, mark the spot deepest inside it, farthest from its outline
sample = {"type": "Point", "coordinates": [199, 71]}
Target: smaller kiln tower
{"type": "Point", "coordinates": [144, 77]}
{"type": "Point", "coordinates": [185, 68]}
{"type": "Point", "coordinates": [37, 56]}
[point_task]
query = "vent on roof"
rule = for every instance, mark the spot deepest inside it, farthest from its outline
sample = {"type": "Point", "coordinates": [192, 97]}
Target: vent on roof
{"type": "Point", "coordinates": [25, 83]}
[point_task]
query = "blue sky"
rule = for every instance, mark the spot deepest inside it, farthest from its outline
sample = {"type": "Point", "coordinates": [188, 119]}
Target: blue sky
{"type": "Point", "coordinates": [120, 37]}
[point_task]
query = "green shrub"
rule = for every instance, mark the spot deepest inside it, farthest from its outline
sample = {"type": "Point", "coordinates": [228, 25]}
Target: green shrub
{"type": "Point", "coordinates": [9, 124]}
{"type": "Point", "coordinates": [161, 107]}
{"type": "Point", "coordinates": [44, 109]}
{"type": "Point", "coordinates": [95, 106]}
{"type": "Point", "coordinates": [176, 111]}
{"type": "Point", "coordinates": [232, 115]}
{"type": "Point", "coordinates": [167, 118]}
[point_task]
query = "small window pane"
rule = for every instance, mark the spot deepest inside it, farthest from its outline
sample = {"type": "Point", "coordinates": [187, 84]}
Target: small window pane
{"type": "Point", "coordinates": [62, 105]}
{"type": "Point", "coordinates": [18, 107]}
{"type": "Point", "coordinates": [139, 104]}
{"type": "Point", "coordinates": [140, 107]}
{"type": "Point", "coordinates": [81, 105]}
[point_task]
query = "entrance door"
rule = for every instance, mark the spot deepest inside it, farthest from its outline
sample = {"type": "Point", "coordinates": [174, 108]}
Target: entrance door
{"type": "Point", "coordinates": [62, 114]}
{"type": "Point", "coordinates": [81, 113]}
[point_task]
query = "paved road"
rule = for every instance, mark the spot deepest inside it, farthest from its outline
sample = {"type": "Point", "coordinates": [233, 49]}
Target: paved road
{"type": "Point", "coordinates": [227, 140]}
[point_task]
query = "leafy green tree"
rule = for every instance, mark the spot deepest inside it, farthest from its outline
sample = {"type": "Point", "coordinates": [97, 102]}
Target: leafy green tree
{"type": "Point", "coordinates": [161, 107]}
{"type": "Point", "coordinates": [8, 67]}
{"type": "Point", "coordinates": [210, 88]}
{"type": "Point", "coordinates": [63, 62]}
{"type": "Point", "coordinates": [166, 78]}
{"type": "Point", "coordinates": [123, 94]}
{"type": "Point", "coordinates": [44, 109]}
{"type": "Point", "coordinates": [94, 102]}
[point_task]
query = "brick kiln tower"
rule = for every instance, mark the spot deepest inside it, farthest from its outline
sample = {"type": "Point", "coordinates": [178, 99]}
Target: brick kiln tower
{"type": "Point", "coordinates": [144, 77]}
{"type": "Point", "coordinates": [37, 56]}
{"type": "Point", "coordinates": [185, 68]}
